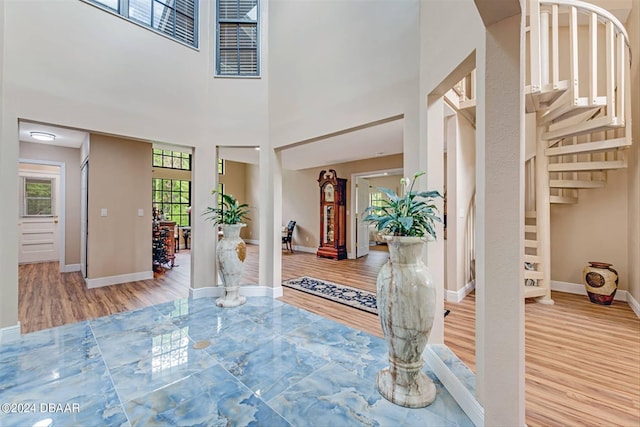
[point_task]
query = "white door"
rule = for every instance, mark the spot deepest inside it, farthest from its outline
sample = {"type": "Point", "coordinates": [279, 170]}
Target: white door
{"type": "Point", "coordinates": [39, 235]}
{"type": "Point", "coordinates": [362, 227]}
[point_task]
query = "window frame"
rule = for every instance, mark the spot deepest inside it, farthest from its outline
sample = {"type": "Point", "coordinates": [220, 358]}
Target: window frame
{"type": "Point", "coordinates": [172, 155]}
{"type": "Point", "coordinates": [160, 204]}
{"type": "Point", "coordinates": [123, 12]}
{"type": "Point", "coordinates": [376, 200]}
{"type": "Point", "coordinates": [26, 198]}
{"type": "Point", "coordinates": [238, 21]}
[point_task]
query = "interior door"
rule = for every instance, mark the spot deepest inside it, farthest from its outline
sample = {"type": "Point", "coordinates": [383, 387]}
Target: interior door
{"type": "Point", "coordinates": [38, 224]}
{"type": "Point", "coordinates": [362, 227]}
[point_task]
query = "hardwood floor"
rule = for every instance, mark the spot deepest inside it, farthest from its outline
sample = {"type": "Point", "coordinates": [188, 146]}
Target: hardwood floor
{"type": "Point", "coordinates": [48, 298]}
{"type": "Point", "coordinates": [582, 359]}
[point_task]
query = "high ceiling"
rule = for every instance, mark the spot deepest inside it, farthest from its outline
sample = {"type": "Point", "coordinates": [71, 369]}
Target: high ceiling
{"type": "Point", "coordinates": [372, 141]}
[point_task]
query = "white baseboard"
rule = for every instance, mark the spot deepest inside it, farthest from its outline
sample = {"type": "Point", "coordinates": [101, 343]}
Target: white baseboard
{"type": "Point", "coordinates": [457, 296]}
{"type": "Point", "coordinates": [305, 249]}
{"type": "Point", "coordinates": [116, 280]}
{"type": "Point", "coordinates": [578, 289]}
{"type": "Point", "coordinates": [247, 291]}
{"type": "Point", "coordinates": [295, 247]}
{"type": "Point", "coordinates": [633, 303]}
{"type": "Point", "coordinates": [70, 268]}
{"type": "Point", "coordinates": [208, 292]}
{"type": "Point", "coordinates": [10, 334]}
{"type": "Point", "coordinates": [455, 387]}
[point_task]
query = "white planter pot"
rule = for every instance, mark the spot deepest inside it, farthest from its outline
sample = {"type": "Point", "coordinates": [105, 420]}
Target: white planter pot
{"type": "Point", "coordinates": [406, 306]}
{"type": "Point", "coordinates": [231, 253]}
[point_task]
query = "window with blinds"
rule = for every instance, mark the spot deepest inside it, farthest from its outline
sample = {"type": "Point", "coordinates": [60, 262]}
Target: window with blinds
{"type": "Point", "coordinates": [174, 18]}
{"type": "Point", "coordinates": [237, 38]}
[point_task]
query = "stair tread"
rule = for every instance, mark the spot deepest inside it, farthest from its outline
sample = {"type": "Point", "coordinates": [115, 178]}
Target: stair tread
{"type": "Point", "coordinates": [571, 183]}
{"type": "Point", "coordinates": [533, 274]}
{"type": "Point", "coordinates": [534, 291]}
{"type": "Point", "coordinates": [590, 126]}
{"type": "Point", "coordinates": [530, 243]}
{"type": "Point", "coordinates": [546, 96]}
{"type": "Point", "coordinates": [587, 166]}
{"type": "Point", "coordinates": [563, 199]}
{"type": "Point", "coordinates": [530, 229]}
{"type": "Point", "coordinates": [589, 147]}
{"type": "Point", "coordinates": [534, 259]}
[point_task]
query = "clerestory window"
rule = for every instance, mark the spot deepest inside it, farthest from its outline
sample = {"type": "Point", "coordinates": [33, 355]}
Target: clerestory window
{"type": "Point", "coordinates": [237, 31]}
{"type": "Point", "coordinates": [177, 19]}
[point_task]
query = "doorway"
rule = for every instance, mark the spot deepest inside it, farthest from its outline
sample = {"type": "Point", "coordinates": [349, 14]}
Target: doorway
{"type": "Point", "coordinates": [41, 212]}
{"type": "Point", "coordinates": [364, 194]}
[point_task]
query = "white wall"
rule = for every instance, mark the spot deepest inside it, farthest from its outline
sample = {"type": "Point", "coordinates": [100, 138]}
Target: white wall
{"type": "Point", "coordinates": [633, 26]}
{"type": "Point", "coordinates": [8, 211]}
{"type": "Point", "coordinates": [338, 64]}
{"type": "Point", "coordinates": [73, 64]}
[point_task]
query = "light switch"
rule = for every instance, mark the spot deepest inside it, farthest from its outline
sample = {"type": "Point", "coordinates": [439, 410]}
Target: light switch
{"type": "Point", "coordinates": [103, 212]}
{"type": "Point", "coordinates": [140, 212]}
{"type": "Point", "coordinates": [461, 213]}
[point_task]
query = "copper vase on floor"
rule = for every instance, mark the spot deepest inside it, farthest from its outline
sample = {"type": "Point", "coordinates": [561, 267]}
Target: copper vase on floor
{"type": "Point", "coordinates": [600, 281]}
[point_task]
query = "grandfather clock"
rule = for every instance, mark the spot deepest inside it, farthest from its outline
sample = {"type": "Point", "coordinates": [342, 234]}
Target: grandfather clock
{"type": "Point", "coordinates": [333, 215]}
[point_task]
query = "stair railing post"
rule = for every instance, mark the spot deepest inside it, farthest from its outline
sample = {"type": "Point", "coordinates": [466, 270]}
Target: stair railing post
{"type": "Point", "coordinates": [544, 48]}
{"type": "Point", "coordinates": [534, 41]}
{"type": "Point", "coordinates": [543, 216]}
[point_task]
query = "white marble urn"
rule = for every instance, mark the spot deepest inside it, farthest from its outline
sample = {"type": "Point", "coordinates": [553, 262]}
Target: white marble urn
{"type": "Point", "coordinates": [231, 253]}
{"type": "Point", "coordinates": [406, 301]}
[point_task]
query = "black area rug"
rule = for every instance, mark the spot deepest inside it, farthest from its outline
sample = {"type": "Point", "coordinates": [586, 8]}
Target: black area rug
{"type": "Point", "coordinates": [342, 294]}
{"type": "Point", "coordinates": [346, 295]}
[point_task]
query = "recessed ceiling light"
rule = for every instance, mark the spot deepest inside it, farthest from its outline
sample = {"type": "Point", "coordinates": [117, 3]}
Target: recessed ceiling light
{"type": "Point", "coordinates": [257, 148]}
{"type": "Point", "coordinates": [42, 136]}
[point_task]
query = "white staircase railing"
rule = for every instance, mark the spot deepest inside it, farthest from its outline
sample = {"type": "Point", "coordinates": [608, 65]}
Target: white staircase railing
{"type": "Point", "coordinates": [579, 88]}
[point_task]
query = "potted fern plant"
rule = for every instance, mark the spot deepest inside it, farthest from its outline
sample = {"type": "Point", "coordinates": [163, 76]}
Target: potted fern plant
{"type": "Point", "coordinates": [231, 251]}
{"type": "Point", "coordinates": [406, 292]}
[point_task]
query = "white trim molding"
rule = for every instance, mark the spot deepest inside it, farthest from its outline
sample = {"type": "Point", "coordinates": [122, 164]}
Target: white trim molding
{"type": "Point", "coordinates": [463, 397]}
{"type": "Point", "coordinates": [305, 249]}
{"type": "Point", "coordinates": [70, 268]}
{"type": "Point", "coordinates": [116, 280]}
{"type": "Point", "coordinates": [10, 334]}
{"type": "Point", "coordinates": [634, 304]}
{"type": "Point", "coordinates": [246, 290]}
{"type": "Point", "coordinates": [578, 289]}
{"type": "Point", "coordinates": [460, 294]}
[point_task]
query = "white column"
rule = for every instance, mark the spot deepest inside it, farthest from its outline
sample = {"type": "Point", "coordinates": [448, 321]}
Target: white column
{"type": "Point", "coordinates": [203, 234]}
{"type": "Point", "coordinates": [9, 152]}
{"type": "Point", "coordinates": [500, 224]}
{"type": "Point", "coordinates": [270, 220]}
{"type": "Point", "coordinates": [435, 181]}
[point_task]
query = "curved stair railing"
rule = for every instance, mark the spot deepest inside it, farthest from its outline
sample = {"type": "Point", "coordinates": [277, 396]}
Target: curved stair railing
{"type": "Point", "coordinates": [579, 88]}
{"type": "Point", "coordinates": [578, 72]}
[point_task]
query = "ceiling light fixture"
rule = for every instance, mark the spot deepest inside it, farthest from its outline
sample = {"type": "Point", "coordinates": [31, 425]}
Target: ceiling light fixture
{"type": "Point", "coordinates": [257, 148]}
{"type": "Point", "coordinates": [42, 136]}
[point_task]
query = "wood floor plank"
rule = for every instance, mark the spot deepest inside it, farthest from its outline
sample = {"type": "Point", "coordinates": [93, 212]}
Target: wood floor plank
{"type": "Point", "coordinates": [582, 359]}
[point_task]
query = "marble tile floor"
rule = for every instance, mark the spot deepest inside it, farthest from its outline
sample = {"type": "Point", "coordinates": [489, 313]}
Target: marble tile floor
{"type": "Point", "coordinates": [268, 364]}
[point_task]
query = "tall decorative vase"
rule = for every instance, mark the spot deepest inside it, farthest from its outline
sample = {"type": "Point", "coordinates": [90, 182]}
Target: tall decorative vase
{"type": "Point", "coordinates": [231, 253]}
{"type": "Point", "coordinates": [406, 307]}
{"type": "Point", "coordinates": [600, 281]}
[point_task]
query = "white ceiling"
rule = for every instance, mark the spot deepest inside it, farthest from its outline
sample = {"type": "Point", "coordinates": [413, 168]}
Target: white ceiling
{"type": "Point", "coordinates": [373, 141]}
{"type": "Point", "coordinates": [65, 137]}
